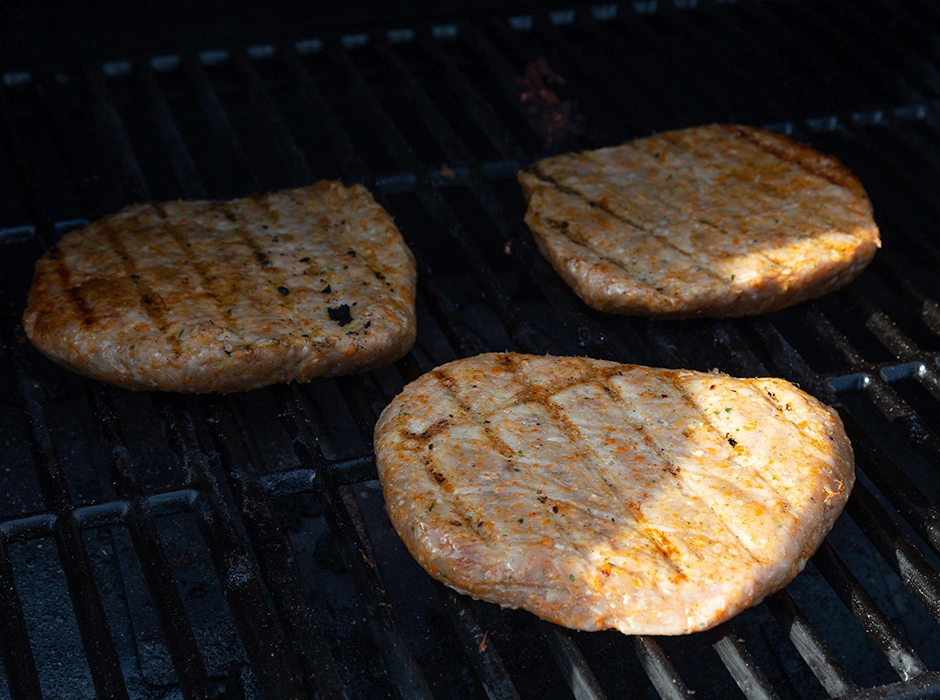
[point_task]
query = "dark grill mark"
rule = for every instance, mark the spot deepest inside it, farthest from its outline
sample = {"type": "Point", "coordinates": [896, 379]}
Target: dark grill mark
{"type": "Point", "coordinates": [179, 237]}
{"type": "Point", "coordinates": [434, 429]}
{"type": "Point", "coordinates": [150, 300]}
{"type": "Point", "coordinates": [681, 215]}
{"type": "Point", "coordinates": [783, 154]}
{"type": "Point", "coordinates": [565, 229]}
{"type": "Point", "coordinates": [543, 398]}
{"type": "Point", "coordinates": [84, 314]}
{"type": "Point", "coordinates": [154, 303]}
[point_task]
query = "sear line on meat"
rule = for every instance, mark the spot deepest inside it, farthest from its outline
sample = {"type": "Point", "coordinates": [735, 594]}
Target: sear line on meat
{"type": "Point", "coordinates": [713, 221]}
{"type": "Point", "coordinates": [599, 495]}
{"type": "Point", "coordinates": [212, 296]}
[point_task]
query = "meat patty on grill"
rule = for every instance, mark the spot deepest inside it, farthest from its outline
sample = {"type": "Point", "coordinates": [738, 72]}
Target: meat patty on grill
{"type": "Point", "coordinates": [711, 221]}
{"type": "Point", "coordinates": [211, 296]}
{"type": "Point", "coordinates": [598, 495]}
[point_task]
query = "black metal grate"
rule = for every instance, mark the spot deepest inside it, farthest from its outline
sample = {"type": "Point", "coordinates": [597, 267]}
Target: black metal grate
{"type": "Point", "coordinates": [152, 545]}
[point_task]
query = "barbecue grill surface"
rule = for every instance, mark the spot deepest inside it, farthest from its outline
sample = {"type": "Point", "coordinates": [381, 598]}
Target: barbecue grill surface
{"type": "Point", "coordinates": [159, 546]}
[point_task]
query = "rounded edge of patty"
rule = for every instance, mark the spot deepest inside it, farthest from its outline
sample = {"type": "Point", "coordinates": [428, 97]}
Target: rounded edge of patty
{"type": "Point", "coordinates": [609, 284]}
{"type": "Point", "coordinates": [463, 550]}
{"type": "Point", "coordinates": [105, 325]}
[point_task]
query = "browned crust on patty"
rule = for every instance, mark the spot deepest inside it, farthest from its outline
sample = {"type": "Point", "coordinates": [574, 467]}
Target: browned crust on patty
{"type": "Point", "coordinates": [212, 296]}
{"type": "Point", "coordinates": [719, 221]}
{"type": "Point", "coordinates": [598, 495]}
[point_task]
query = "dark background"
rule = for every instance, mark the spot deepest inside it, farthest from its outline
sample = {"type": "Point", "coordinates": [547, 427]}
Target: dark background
{"type": "Point", "coordinates": [69, 30]}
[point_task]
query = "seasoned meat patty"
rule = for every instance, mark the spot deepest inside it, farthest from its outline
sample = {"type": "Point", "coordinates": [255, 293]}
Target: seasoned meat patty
{"type": "Point", "coordinates": [712, 221]}
{"type": "Point", "coordinates": [228, 296]}
{"type": "Point", "coordinates": [598, 495]}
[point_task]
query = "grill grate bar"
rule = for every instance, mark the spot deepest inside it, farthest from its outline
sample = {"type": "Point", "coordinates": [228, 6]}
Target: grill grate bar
{"type": "Point", "coordinates": [486, 662]}
{"type": "Point", "coordinates": [894, 83]}
{"type": "Point", "coordinates": [18, 656]}
{"type": "Point", "coordinates": [79, 575]}
{"type": "Point", "coordinates": [453, 147]}
{"type": "Point", "coordinates": [881, 392]}
{"type": "Point", "coordinates": [669, 109]}
{"type": "Point", "coordinates": [274, 558]}
{"type": "Point", "coordinates": [110, 130]}
{"type": "Point", "coordinates": [884, 328]}
{"type": "Point", "coordinates": [297, 479]}
{"type": "Point", "coordinates": [86, 600]}
{"type": "Point", "coordinates": [787, 360]}
{"type": "Point", "coordinates": [896, 548]}
{"type": "Point", "coordinates": [351, 163]}
{"type": "Point", "coordinates": [885, 263]}
{"type": "Point", "coordinates": [894, 484]}
{"type": "Point", "coordinates": [18, 659]}
{"type": "Point", "coordinates": [809, 644]}
{"type": "Point", "coordinates": [474, 39]}
{"type": "Point", "coordinates": [181, 642]}
{"type": "Point", "coordinates": [290, 153]}
{"type": "Point", "coordinates": [901, 655]}
{"type": "Point", "coordinates": [400, 663]}
{"type": "Point", "coordinates": [874, 33]}
{"type": "Point", "coordinates": [568, 658]}
{"type": "Point", "coordinates": [172, 140]}
{"type": "Point", "coordinates": [623, 104]}
{"type": "Point", "coordinates": [590, 334]}
{"type": "Point", "coordinates": [659, 668]}
{"type": "Point", "coordinates": [734, 655]}
{"type": "Point", "coordinates": [262, 639]}
{"type": "Point", "coordinates": [898, 172]}
{"type": "Point", "coordinates": [218, 117]}
{"type": "Point", "coordinates": [476, 105]}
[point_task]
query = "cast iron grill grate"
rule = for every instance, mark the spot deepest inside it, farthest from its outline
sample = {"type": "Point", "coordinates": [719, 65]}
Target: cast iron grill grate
{"type": "Point", "coordinates": [162, 546]}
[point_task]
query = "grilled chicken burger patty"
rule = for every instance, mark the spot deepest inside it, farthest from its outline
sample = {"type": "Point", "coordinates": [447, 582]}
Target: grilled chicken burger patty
{"type": "Point", "coordinates": [711, 221]}
{"type": "Point", "coordinates": [598, 495]}
{"type": "Point", "coordinates": [206, 296]}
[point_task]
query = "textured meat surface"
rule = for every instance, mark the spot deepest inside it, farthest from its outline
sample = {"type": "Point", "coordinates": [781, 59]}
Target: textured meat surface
{"type": "Point", "coordinates": [712, 221]}
{"type": "Point", "coordinates": [599, 495]}
{"type": "Point", "coordinates": [206, 296]}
